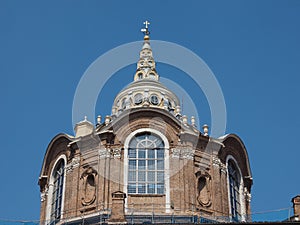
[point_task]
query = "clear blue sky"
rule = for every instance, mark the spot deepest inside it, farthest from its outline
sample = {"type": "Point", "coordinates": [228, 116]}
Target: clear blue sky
{"type": "Point", "coordinates": [252, 47]}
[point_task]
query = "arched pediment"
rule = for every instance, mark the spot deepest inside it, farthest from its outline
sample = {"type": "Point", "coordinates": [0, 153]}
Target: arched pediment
{"type": "Point", "coordinates": [235, 147]}
{"type": "Point", "coordinates": [57, 146]}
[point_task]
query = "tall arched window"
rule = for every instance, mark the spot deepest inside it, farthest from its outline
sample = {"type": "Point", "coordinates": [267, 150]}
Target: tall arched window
{"type": "Point", "coordinates": [234, 190]}
{"type": "Point", "coordinates": [146, 164]}
{"type": "Point", "coordinates": [57, 191]}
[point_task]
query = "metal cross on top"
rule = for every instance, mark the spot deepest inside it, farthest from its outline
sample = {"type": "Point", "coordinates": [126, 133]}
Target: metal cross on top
{"type": "Point", "coordinates": [145, 30]}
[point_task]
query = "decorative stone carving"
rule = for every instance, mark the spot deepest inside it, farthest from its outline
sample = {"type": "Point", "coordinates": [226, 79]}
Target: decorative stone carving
{"type": "Point", "coordinates": [183, 153]}
{"type": "Point", "coordinates": [116, 153]}
{"type": "Point", "coordinates": [217, 162]}
{"type": "Point", "coordinates": [73, 164]}
{"type": "Point", "coordinates": [175, 153]}
{"type": "Point", "coordinates": [104, 153]}
{"type": "Point", "coordinates": [247, 195]}
{"type": "Point", "coordinates": [44, 194]}
{"type": "Point", "coordinates": [204, 188]}
{"type": "Point", "coordinates": [89, 186]}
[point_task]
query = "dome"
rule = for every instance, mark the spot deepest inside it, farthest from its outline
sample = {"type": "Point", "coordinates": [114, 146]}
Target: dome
{"type": "Point", "coordinates": [146, 90]}
{"type": "Point", "coordinates": [146, 93]}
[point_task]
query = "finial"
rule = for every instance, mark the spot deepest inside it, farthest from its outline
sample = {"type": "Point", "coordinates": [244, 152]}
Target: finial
{"type": "Point", "coordinates": [85, 118]}
{"type": "Point", "coordinates": [98, 119]}
{"type": "Point", "coordinates": [107, 120]}
{"type": "Point", "coordinates": [184, 119]}
{"type": "Point", "coordinates": [146, 30]}
{"type": "Point", "coordinates": [205, 129]}
{"type": "Point", "coordinates": [193, 121]}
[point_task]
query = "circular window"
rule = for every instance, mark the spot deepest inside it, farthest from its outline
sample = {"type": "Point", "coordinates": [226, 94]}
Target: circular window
{"type": "Point", "coordinates": [138, 99]}
{"type": "Point", "coordinates": [154, 99]}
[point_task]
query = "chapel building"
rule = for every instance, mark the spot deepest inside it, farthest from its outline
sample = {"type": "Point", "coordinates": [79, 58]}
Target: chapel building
{"type": "Point", "coordinates": [144, 163]}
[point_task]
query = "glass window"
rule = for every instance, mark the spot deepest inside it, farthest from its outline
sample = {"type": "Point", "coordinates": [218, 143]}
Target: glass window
{"type": "Point", "coordinates": [131, 188]}
{"type": "Point", "coordinates": [58, 176]}
{"type": "Point", "coordinates": [132, 176]}
{"type": "Point", "coordinates": [154, 99]}
{"type": "Point", "coordinates": [140, 75]}
{"type": "Point", "coordinates": [146, 164]}
{"type": "Point", "coordinates": [234, 187]}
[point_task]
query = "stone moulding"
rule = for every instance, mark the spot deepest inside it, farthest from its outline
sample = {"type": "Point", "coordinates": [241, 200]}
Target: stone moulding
{"type": "Point", "coordinates": [183, 153]}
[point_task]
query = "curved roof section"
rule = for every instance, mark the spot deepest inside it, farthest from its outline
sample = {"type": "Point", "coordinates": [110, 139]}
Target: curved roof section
{"type": "Point", "coordinates": [50, 154]}
{"type": "Point", "coordinates": [234, 146]}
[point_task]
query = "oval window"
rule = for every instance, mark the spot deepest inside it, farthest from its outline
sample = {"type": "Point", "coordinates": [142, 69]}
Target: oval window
{"type": "Point", "coordinates": [138, 99]}
{"type": "Point", "coordinates": [154, 99]}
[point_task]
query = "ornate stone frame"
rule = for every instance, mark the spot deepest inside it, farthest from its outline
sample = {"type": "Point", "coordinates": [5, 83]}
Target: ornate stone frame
{"type": "Point", "coordinates": [204, 175]}
{"type": "Point", "coordinates": [89, 172]}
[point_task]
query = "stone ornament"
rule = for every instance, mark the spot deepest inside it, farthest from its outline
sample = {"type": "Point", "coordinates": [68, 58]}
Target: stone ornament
{"type": "Point", "coordinates": [183, 153]}
{"type": "Point", "coordinates": [247, 195]}
{"type": "Point", "coordinates": [116, 153]}
{"type": "Point", "coordinates": [104, 153]}
{"type": "Point", "coordinates": [217, 162]}
{"type": "Point", "coordinates": [44, 194]}
{"type": "Point", "coordinates": [88, 178]}
{"type": "Point", "coordinates": [73, 164]}
{"type": "Point", "coordinates": [204, 188]}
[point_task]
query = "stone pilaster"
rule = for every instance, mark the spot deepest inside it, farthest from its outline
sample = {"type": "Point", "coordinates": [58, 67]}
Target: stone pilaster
{"type": "Point", "coordinates": [117, 210]}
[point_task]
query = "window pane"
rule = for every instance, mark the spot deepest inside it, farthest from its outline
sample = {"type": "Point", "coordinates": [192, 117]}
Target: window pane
{"type": "Point", "coordinates": [133, 143]}
{"type": "Point", "coordinates": [142, 164]}
{"type": "Point", "coordinates": [160, 153]}
{"type": "Point", "coordinates": [160, 188]}
{"type": "Point", "coordinates": [160, 164]}
{"type": "Point", "coordinates": [160, 176]}
{"type": "Point", "coordinates": [140, 137]}
{"type": "Point", "coordinates": [151, 154]}
{"type": "Point", "coordinates": [132, 188]}
{"type": "Point", "coordinates": [141, 188]}
{"type": "Point", "coordinates": [142, 175]}
{"type": "Point", "coordinates": [152, 138]}
{"type": "Point", "coordinates": [131, 153]}
{"type": "Point", "coordinates": [142, 153]}
{"type": "Point", "coordinates": [60, 190]}
{"type": "Point", "coordinates": [132, 164]}
{"type": "Point", "coordinates": [132, 176]}
{"type": "Point", "coordinates": [151, 176]}
{"type": "Point", "coordinates": [151, 164]}
{"type": "Point", "coordinates": [151, 188]}
{"type": "Point", "coordinates": [160, 144]}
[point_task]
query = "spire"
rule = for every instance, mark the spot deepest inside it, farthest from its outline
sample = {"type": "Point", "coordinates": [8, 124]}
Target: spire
{"type": "Point", "coordinates": [146, 64]}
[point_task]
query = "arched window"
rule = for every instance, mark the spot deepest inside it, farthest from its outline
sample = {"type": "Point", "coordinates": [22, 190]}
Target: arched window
{"type": "Point", "coordinates": [146, 164]}
{"type": "Point", "coordinates": [57, 191]}
{"type": "Point", "coordinates": [234, 190]}
{"type": "Point", "coordinates": [140, 76]}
